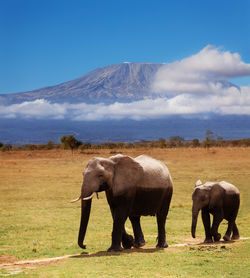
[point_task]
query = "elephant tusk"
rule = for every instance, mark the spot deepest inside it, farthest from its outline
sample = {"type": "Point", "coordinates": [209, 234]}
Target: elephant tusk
{"type": "Point", "coordinates": [84, 199]}
{"type": "Point", "coordinates": [90, 197]}
{"type": "Point", "coordinates": [73, 201]}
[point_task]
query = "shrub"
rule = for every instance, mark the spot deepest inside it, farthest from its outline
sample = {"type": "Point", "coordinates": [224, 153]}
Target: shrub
{"type": "Point", "coordinates": [6, 148]}
{"type": "Point", "coordinates": [70, 142]}
{"type": "Point", "coordinates": [195, 143]}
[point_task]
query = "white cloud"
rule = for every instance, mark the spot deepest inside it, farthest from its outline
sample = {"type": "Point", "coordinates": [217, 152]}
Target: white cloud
{"type": "Point", "coordinates": [39, 108]}
{"type": "Point", "coordinates": [195, 86]}
{"type": "Point", "coordinates": [206, 72]}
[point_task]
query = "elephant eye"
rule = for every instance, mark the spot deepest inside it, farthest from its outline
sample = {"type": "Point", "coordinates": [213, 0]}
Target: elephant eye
{"type": "Point", "coordinates": [100, 176]}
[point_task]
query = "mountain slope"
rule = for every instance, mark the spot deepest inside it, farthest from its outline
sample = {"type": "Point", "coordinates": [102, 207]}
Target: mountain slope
{"type": "Point", "coordinates": [120, 82]}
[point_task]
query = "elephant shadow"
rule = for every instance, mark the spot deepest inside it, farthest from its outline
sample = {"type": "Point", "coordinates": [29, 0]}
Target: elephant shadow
{"type": "Point", "coordinates": [113, 253]}
{"type": "Point", "coordinates": [201, 245]}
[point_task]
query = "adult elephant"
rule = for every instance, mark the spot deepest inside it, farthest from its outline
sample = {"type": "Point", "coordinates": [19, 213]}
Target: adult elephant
{"type": "Point", "coordinates": [222, 200]}
{"type": "Point", "coordinates": [134, 187]}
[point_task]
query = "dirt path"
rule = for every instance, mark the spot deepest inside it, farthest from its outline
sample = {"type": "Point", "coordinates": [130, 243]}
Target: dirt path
{"type": "Point", "coordinates": [13, 266]}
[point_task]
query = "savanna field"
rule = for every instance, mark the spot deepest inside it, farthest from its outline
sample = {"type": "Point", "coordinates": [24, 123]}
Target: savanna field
{"type": "Point", "coordinates": [37, 220]}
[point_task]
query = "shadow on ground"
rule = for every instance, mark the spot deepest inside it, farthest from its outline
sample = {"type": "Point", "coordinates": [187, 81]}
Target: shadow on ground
{"type": "Point", "coordinates": [200, 245]}
{"type": "Point", "coordinates": [113, 253]}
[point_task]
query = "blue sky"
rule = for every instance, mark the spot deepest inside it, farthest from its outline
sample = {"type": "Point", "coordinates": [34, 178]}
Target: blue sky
{"type": "Point", "coordinates": [44, 42]}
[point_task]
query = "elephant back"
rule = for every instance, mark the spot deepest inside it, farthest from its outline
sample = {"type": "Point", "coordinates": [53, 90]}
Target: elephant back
{"type": "Point", "coordinates": [156, 173]}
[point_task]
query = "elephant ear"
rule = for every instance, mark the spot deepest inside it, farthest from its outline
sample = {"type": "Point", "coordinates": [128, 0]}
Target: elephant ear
{"type": "Point", "coordinates": [127, 174]}
{"type": "Point", "coordinates": [216, 196]}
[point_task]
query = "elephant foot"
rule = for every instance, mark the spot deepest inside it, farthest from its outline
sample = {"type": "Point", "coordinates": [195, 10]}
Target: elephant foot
{"type": "Point", "coordinates": [127, 242]}
{"type": "Point", "coordinates": [226, 237]}
{"type": "Point", "coordinates": [234, 237]}
{"type": "Point", "coordinates": [217, 237]}
{"type": "Point", "coordinates": [140, 243]}
{"type": "Point", "coordinates": [115, 248]}
{"type": "Point", "coordinates": [162, 245]}
{"type": "Point", "coordinates": [208, 240]}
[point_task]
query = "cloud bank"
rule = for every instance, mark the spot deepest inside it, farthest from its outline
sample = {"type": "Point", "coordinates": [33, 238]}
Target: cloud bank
{"type": "Point", "coordinates": [233, 103]}
{"type": "Point", "coordinates": [195, 86]}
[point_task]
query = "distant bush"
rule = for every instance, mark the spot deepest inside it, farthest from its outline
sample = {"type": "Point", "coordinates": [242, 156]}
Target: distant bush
{"type": "Point", "coordinates": [70, 142]}
{"type": "Point", "coordinates": [6, 148]}
{"type": "Point", "coordinates": [175, 141]}
{"type": "Point", "coordinates": [85, 146]}
{"type": "Point", "coordinates": [31, 147]}
{"type": "Point", "coordinates": [162, 143]}
{"type": "Point", "coordinates": [50, 145]}
{"type": "Point", "coordinates": [195, 143]}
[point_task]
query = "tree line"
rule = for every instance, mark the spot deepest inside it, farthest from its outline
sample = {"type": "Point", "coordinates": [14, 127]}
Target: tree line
{"type": "Point", "coordinates": [70, 142]}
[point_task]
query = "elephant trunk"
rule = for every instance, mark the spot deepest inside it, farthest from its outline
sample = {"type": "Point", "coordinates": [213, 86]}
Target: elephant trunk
{"type": "Point", "coordinates": [85, 212]}
{"type": "Point", "coordinates": [195, 213]}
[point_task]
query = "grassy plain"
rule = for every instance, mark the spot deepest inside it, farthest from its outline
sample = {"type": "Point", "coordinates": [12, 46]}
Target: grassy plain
{"type": "Point", "coordinates": [37, 220]}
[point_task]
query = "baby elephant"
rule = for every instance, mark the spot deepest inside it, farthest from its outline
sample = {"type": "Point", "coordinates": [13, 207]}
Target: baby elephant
{"type": "Point", "coordinates": [222, 200]}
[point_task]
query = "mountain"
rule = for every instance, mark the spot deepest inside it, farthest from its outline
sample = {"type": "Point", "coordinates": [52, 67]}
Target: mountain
{"type": "Point", "coordinates": [40, 122]}
{"type": "Point", "coordinates": [120, 82]}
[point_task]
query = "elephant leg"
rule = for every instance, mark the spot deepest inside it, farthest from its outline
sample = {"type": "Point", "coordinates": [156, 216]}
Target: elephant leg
{"type": "Point", "coordinates": [207, 226]}
{"type": "Point", "coordinates": [139, 237]}
{"type": "Point", "coordinates": [119, 218]}
{"type": "Point", "coordinates": [236, 234]}
{"type": "Point", "coordinates": [161, 220]}
{"type": "Point", "coordinates": [232, 227]}
{"type": "Point", "coordinates": [127, 240]}
{"type": "Point", "coordinates": [218, 217]}
{"type": "Point", "coordinates": [229, 230]}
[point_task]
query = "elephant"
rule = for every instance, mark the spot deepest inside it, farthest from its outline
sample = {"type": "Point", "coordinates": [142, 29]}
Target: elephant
{"type": "Point", "coordinates": [134, 187]}
{"type": "Point", "coordinates": [222, 200]}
